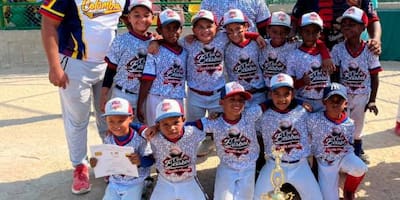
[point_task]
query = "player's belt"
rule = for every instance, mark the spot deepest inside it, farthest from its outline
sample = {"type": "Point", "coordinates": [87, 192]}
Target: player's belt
{"type": "Point", "coordinates": [257, 90]}
{"type": "Point", "coordinates": [206, 93]}
{"type": "Point", "coordinates": [124, 90]}
{"type": "Point", "coordinates": [288, 162]}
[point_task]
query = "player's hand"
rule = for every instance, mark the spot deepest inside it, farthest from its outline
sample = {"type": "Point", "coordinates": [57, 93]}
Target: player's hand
{"type": "Point", "coordinates": [93, 162]}
{"type": "Point", "coordinates": [261, 42]}
{"type": "Point", "coordinates": [375, 46]}
{"type": "Point", "coordinates": [154, 47]}
{"type": "Point", "coordinates": [150, 132]}
{"type": "Point", "coordinates": [371, 106]}
{"type": "Point", "coordinates": [214, 115]}
{"type": "Point", "coordinates": [58, 77]}
{"type": "Point", "coordinates": [190, 38]}
{"type": "Point", "coordinates": [307, 106]}
{"type": "Point", "coordinates": [103, 101]}
{"type": "Point", "coordinates": [306, 79]}
{"type": "Point", "coordinates": [134, 158]}
{"type": "Point", "coordinates": [328, 66]}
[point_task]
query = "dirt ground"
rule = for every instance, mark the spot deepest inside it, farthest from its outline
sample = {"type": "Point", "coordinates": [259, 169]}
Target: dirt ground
{"type": "Point", "coordinates": [34, 161]}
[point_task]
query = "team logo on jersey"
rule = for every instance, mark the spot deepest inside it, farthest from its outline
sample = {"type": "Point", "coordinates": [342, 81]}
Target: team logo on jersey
{"type": "Point", "coordinates": [286, 137]}
{"type": "Point", "coordinates": [354, 77]}
{"type": "Point", "coordinates": [236, 143]}
{"type": "Point", "coordinates": [246, 69]}
{"type": "Point", "coordinates": [334, 144]}
{"type": "Point", "coordinates": [272, 65]}
{"type": "Point", "coordinates": [318, 77]}
{"type": "Point", "coordinates": [209, 59]}
{"type": "Point", "coordinates": [136, 65]}
{"type": "Point", "coordinates": [96, 8]}
{"type": "Point", "coordinates": [177, 162]}
{"type": "Point", "coordinates": [175, 74]}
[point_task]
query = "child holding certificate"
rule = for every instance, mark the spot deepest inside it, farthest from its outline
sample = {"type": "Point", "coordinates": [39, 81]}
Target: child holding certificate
{"type": "Point", "coordinates": [118, 115]}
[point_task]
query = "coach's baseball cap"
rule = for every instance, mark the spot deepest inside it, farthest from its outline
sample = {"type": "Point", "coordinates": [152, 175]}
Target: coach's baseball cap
{"type": "Point", "coordinates": [204, 14]}
{"type": "Point", "coordinates": [233, 88]}
{"type": "Point", "coordinates": [168, 108]}
{"type": "Point", "coordinates": [145, 3]}
{"type": "Point", "coordinates": [355, 14]}
{"type": "Point", "coordinates": [311, 18]}
{"type": "Point", "coordinates": [234, 16]}
{"type": "Point", "coordinates": [168, 16]}
{"type": "Point", "coordinates": [281, 80]}
{"type": "Point", "coordinates": [279, 18]}
{"type": "Point", "coordinates": [335, 89]}
{"type": "Point", "coordinates": [118, 106]}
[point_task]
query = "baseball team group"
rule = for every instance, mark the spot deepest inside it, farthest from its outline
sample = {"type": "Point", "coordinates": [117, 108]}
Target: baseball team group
{"type": "Point", "coordinates": [250, 81]}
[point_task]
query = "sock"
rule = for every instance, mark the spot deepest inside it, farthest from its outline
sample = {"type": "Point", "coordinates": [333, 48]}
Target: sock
{"type": "Point", "coordinates": [351, 183]}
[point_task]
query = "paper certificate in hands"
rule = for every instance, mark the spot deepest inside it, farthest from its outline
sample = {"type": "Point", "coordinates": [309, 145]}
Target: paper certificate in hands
{"type": "Point", "coordinates": [111, 159]}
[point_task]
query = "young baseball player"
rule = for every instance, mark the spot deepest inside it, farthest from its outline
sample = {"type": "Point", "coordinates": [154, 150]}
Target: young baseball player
{"type": "Point", "coordinates": [236, 143]}
{"type": "Point", "coordinates": [274, 56]}
{"type": "Point", "coordinates": [358, 69]}
{"type": "Point", "coordinates": [304, 64]}
{"type": "Point", "coordinates": [332, 135]}
{"type": "Point", "coordinates": [242, 56]}
{"type": "Point", "coordinates": [164, 74]}
{"type": "Point", "coordinates": [175, 151]}
{"type": "Point", "coordinates": [119, 114]}
{"type": "Point", "coordinates": [125, 63]}
{"type": "Point", "coordinates": [284, 127]}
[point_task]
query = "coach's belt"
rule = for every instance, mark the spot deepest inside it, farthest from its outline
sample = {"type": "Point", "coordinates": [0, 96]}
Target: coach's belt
{"type": "Point", "coordinates": [123, 90]}
{"type": "Point", "coordinates": [288, 162]}
{"type": "Point", "coordinates": [257, 90]}
{"type": "Point", "coordinates": [206, 93]}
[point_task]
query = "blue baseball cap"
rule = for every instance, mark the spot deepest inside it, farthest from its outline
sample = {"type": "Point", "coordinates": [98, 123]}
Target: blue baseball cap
{"type": "Point", "coordinates": [335, 89]}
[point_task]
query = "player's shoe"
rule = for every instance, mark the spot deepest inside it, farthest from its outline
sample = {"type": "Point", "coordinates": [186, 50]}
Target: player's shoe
{"type": "Point", "coordinates": [348, 195]}
{"type": "Point", "coordinates": [80, 183]}
{"type": "Point", "coordinates": [397, 128]}
{"type": "Point", "coordinates": [205, 147]}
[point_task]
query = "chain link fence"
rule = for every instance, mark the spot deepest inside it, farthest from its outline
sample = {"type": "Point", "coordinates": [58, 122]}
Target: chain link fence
{"type": "Point", "coordinates": [24, 14]}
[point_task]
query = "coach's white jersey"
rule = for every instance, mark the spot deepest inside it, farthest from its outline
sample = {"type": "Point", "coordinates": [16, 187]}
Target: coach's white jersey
{"type": "Point", "coordinates": [236, 144]}
{"type": "Point", "coordinates": [139, 145]}
{"type": "Point", "coordinates": [241, 64]}
{"type": "Point", "coordinates": [331, 139]}
{"type": "Point", "coordinates": [128, 52]}
{"type": "Point", "coordinates": [167, 69]}
{"type": "Point", "coordinates": [176, 161]}
{"type": "Point", "coordinates": [273, 60]}
{"type": "Point", "coordinates": [301, 62]}
{"type": "Point", "coordinates": [355, 69]}
{"type": "Point", "coordinates": [288, 131]}
{"type": "Point", "coordinates": [205, 64]}
{"type": "Point", "coordinates": [255, 10]}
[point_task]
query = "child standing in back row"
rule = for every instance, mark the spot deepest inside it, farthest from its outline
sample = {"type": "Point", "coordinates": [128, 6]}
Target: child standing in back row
{"type": "Point", "coordinates": [119, 114]}
{"type": "Point", "coordinates": [127, 55]}
{"type": "Point", "coordinates": [164, 74]}
{"type": "Point", "coordinates": [305, 63]}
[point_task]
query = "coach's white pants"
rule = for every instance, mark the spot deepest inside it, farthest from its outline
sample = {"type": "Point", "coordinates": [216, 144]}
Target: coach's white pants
{"type": "Point", "coordinates": [185, 190]}
{"type": "Point", "coordinates": [233, 184]}
{"type": "Point", "coordinates": [84, 88]}
{"type": "Point", "coordinates": [328, 175]}
{"type": "Point", "coordinates": [197, 105]}
{"type": "Point", "coordinates": [298, 174]}
{"type": "Point", "coordinates": [356, 109]}
{"type": "Point", "coordinates": [151, 104]}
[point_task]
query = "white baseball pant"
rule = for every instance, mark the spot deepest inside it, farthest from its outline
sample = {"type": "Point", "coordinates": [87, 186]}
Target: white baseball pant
{"type": "Point", "coordinates": [328, 175]}
{"type": "Point", "coordinates": [123, 192]}
{"type": "Point", "coordinates": [84, 88]}
{"type": "Point", "coordinates": [197, 105]}
{"type": "Point", "coordinates": [233, 184]}
{"type": "Point", "coordinates": [151, 104]}
{"type": "Point", "coordinates": [184, 190]}
{"type": "Point", "coordinates": [298, 174]}
{"type": "Point", "coordinates": [356, 109]}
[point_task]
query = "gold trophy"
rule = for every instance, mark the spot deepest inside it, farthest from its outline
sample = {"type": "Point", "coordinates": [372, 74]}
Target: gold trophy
{"type": "Point", "coordinates": [277, 179]}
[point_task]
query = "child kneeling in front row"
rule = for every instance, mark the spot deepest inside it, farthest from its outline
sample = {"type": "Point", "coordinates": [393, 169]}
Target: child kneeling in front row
{"type": "Point", "coordinates": [332, 136]}
{"type": "Point", "coordinates": [119, 115]}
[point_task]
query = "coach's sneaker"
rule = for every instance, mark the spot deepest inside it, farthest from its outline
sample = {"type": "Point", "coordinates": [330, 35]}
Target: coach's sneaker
{"type": "Point", "coordinates": [80, 183]}
{"type": "Point", "coordinates": [397, 128]}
